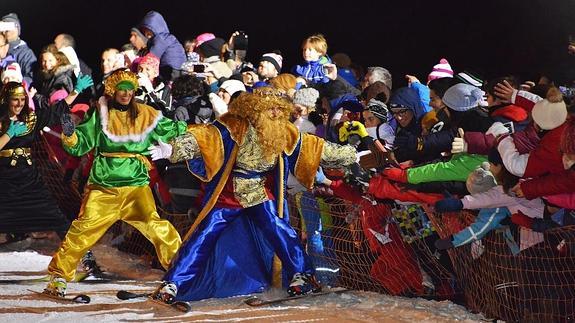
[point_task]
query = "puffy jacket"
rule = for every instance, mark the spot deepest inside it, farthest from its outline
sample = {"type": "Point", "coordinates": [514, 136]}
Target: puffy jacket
{"type": "Point", "coordinates": [163, 44]}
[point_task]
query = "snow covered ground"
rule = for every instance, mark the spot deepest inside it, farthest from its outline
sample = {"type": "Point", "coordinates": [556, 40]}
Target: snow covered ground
{"type": "Point", "coordinates": [18, 304]}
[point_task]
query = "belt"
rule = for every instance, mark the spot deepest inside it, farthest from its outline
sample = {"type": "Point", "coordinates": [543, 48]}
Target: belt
{"type": "Point", "coordinates": [140, 157]}
{"type": "Point", "coordinates": [15, 153]}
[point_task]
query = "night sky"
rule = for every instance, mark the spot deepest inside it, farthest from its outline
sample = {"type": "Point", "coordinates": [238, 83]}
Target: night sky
{"type": "Point", "coordinates": [492, 37]}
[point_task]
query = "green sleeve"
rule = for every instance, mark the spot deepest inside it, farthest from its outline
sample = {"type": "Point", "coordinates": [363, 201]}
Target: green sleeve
{"type": "Point", "coordinates": [84, 138]}
{"type": "Point", "coordinates": [456, 169]}
{"type": "Point", "coordinates": [168, 129]}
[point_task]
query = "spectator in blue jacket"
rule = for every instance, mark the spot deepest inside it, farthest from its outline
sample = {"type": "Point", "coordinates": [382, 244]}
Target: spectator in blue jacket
{"type": "Point", "coordinates": [18, 49]}
{"type": "Point", "coordinates": [163, 44]}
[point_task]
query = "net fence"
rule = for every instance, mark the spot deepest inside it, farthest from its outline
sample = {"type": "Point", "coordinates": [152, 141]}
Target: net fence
{"type": "Point", "coordinates": [389, 248]}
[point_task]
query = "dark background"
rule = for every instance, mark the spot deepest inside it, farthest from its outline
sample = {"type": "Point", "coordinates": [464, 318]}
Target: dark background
{"type": "Point", "coordinates": [525, 38]}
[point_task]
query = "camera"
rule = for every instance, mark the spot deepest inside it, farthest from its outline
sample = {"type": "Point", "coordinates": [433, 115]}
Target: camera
{"type": "Point", "coordinates": [7, 25]}
{"type": "Point", "coordinates": [199, 68]}
{"type": "Point", "coordinates": [240, 41]}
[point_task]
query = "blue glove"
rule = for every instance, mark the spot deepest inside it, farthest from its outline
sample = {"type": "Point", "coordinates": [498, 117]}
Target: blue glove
{"type": "Point", "coordinates": [68, 126]}
{"type": "Point", "coordinates": [83, 82]}
{"type": "Point", "coordinates": [320, 176]}
{"type": "Point", "coordinates": [449, 205]}
{"type": "Point", "coordinates": [16, 129]}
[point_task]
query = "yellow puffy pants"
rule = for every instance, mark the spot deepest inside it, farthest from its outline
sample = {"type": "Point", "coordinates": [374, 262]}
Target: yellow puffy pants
{"type": "Point", "coordinates": [101, 208]}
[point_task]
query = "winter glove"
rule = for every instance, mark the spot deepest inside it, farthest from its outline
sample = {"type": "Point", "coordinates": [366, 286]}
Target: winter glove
{"type": "Point", "coordinates": [68, 126]}
{"type": "Point", "coordinates": [16, 128]}
{"type": "Point", "coordinates": [83, 82]}
{"type": "Point", "coordinates": [497, 129]}
{"type": "Point", "coordinates": [357, 128]}
{"type": "Point", "coordinates": [181, 114]}
{"type": "Point", "coordinates": [395, 174]}
{"type": "Point", "coordinates": [459, 145]}
{"type": "Point", "coordinates": [160, 151]}
{"type": "Point", "coordinates": [448, 205]}
{"type": "Point", "coordinates": [219, 106]}
{"type": "Point", "coordinates": [443, 244]}
{"type": "Point", "coordinates": [320, 176]}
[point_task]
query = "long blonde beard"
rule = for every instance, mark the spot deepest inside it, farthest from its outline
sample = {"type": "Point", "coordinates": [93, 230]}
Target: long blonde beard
{"type": "Point", "coordinates": [271, 134]}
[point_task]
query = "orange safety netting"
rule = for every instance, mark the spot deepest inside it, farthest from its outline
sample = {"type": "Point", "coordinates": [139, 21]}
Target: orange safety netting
{"type": "Point", "coordinates": [385, 247]}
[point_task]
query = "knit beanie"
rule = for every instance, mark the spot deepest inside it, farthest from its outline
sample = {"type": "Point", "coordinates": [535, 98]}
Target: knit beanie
{"type": "Point", "coordinates": [568, 138]}
{"type": "Point", "coordinates": [551, 112]}
{"type": "Point", "coordinates": [211, 47]}
{"type": "Point", "coordinates": [480, 180]}
{"type": "Point", "coordinates": [12, 17]}
{"type": "Point", "coordinates": [462, 97]}
{"type": "Point", "coordinates": [443, 69]}
{"type": "Point", "coordinates": [13, 72]}
{"type": "Point", "coordinates": [151, 61]}
{"type": "Point", "coordinates": [378, 109]}
{"type": "Point", "coordinates": [273, 58]}
{"type": "Point", "coordinates": [233, 86]}
{"type": "Point", "coordinates": [200, 39]}
{"type": "Point", "coordinates": [307, 97]}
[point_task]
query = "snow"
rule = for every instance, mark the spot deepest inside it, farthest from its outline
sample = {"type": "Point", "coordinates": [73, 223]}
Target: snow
{"type": "Point", "coordinates": [18, 304]}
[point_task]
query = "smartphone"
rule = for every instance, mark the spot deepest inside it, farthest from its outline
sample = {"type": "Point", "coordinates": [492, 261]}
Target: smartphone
{"type": "Point", "coordinates": [199, 68]}
{"type": "Point", "coordinates": [510, 127]}
{"type": "Point", "coordinates": [241, 41]}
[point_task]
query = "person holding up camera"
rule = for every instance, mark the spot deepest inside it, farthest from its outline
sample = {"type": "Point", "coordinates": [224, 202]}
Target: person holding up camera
{"type": "Point", "coordinates": [152, 90]}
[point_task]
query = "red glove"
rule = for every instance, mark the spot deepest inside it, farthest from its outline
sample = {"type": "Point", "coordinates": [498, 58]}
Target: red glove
{"type": "Point", "coordinates": [522, 220]}
{"type": "Point", "coordinates": [396, 174]}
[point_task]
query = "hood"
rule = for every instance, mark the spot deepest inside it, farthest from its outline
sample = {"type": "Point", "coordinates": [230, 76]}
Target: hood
{"type": "Point", "coordinates": [408, 98]}
{"type": "Point", "coordinates": [155, 22]}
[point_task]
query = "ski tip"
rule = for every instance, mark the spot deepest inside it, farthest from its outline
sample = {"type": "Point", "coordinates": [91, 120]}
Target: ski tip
{"type": "Point", "coordinates": [182, 306]}
{"type": "Point", "coordinates": [252, 300]}
{"type": "Point", "coordinates": [82, 298]}
{"type": "Point", "coordinates": [124, 294]}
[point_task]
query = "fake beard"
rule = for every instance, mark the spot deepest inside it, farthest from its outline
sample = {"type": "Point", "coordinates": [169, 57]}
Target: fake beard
{"type": "Point", "coordinates": [271, 134]}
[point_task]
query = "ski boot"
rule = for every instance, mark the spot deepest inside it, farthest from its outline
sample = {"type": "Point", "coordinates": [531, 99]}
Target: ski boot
{"type": "Point", "coordinates": [166, 292]}
{"type": "Point", "coordinates": [56, 286]}
{"type": "Point", "coordinates": [303, 284]}
{"type": "Point", "coordinates": [90, 266]}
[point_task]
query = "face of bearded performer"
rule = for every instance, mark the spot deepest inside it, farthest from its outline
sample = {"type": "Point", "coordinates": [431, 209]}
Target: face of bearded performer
{"type": "Point", "coordinates": [270, 126]}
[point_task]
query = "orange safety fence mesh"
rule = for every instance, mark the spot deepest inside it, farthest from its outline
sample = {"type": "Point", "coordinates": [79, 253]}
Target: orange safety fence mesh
{"type": "Point", "coordinates": [385, 247]}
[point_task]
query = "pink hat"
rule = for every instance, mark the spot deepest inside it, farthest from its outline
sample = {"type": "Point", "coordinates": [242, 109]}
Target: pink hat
{"type": "Point", "coordinates": [443, 69]}
{"type": "Point", "coordinates": [204, 38]}
{"type": "Point", "coordinates": [152, 61]}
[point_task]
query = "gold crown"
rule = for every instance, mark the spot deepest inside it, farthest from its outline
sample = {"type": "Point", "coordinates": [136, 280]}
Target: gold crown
{"type": "Point", "coordinates": [115, 78]}
{"type": "Point", "coordinates": [11, 89]}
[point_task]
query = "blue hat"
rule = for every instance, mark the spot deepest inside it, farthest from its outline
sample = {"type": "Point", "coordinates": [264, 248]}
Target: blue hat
{"type": "Point", "coordinates": [407, 98]}
{"type": "Point", "coordinates": [462, 97]}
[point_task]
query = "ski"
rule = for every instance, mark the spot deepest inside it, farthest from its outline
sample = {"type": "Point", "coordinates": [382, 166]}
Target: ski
{"type": "Point", "coordinates": [125, 295]}
{"type": "Point", "coordinates": [178, 305]}
{"type": "Point", "coordinates": [82, 278]}
{"type": "Point", "coordinates": [257, 301]}
{"type": "Point", "coordinates": [78, 299]}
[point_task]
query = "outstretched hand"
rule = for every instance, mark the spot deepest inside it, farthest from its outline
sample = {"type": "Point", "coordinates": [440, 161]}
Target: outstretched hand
{"type": "Point", "coordinates": [16, 128]}
{"type": "Point", "coordinates": [504, 90]}
{"type": "Point", "coordinates": [68, 126]}
{"type": "Point", "coordinates": [83, 82]}
{"type": "Point", "coordinates": [160, 151]}
{"type": "Point", "coordinates": [459, 145]}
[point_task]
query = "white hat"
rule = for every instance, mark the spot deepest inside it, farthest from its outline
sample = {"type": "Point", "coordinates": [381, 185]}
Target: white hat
{"type": "Point", "coordinates": [13, 72]}
{"type": "Point", "coordinates": [233, 86]}
{"type": "Point", "coordinates": [462, 97]}
{"type": "Point", "coordinates": [549, 115]}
